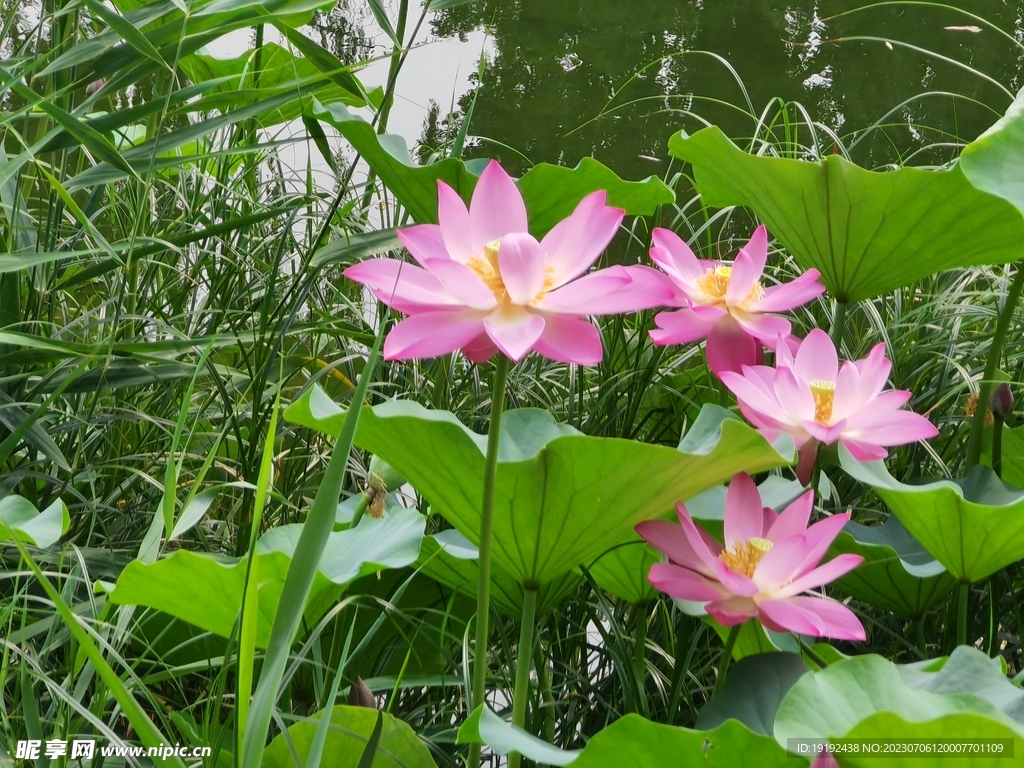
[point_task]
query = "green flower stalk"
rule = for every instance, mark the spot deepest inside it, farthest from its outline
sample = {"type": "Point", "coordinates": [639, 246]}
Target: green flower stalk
{"type": "Point", "coordinates": [483, 594]}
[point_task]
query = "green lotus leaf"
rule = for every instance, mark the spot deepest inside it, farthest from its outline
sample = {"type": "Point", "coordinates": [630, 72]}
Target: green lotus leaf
{"type": "Point", "coordinates": [551, 192]}
{"type": "Point", "coordinates": [994, 162]}
{"type": "Point", "coordinates": [897, 574]}
{"type": "Point", "coordinates": [968, 670]}
{"type": "Point", "coordinates": [832, 701]}
{"type": "Point", "coordinates": [972, 729]}
{"type": "Point", "coordinates": [280, 71]}
{"type": "Point", "coordinates": [450, 559]}
{"type": "Point", "coordinates": [867, 232]}
{"type": "Point", "coordinates": [206, 590]}
{"type": "Point", "coordinates": [19, 519]}
{"type": "Point", "coordinates": [622, 571]}
{"type": "Point", "coordinates": [562, 498]}
{"type": "Point", "coordinates": [755, 687]}
{"type": "Point", "coordinates": [633, 742]}
{"type": "Point", "coordinates": [485, 727]}
{"type": "Point", "coordinates": [1013, 454]}
{"type": "Point", "coordinates": [972, 526]}
{"type": "Point", "coordinates": [350, 730]}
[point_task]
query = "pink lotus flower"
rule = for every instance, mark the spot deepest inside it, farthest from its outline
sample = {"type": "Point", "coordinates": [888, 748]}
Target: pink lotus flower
{"type": "Point", "coordinates": [484, 283]}
{"type": "Point", "coordinates": [726, 304]}
{"type": "Point", "coordinates": [825, 760]}
{"type": "Point", "coordinates": [768, 560]}
{"type": "Point", "coordinates": [809, 397]}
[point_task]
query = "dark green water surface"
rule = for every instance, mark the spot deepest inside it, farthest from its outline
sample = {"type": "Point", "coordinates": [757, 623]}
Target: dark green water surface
{"type": "Point", "coordinates": [613, 79]}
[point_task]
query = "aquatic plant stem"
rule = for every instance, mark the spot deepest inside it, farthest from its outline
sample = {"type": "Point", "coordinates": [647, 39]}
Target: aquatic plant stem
{"type": "Point", "coordinates": [961, 611]}
{"type": "Point", "coordinates": [546, 694]}
{"type": "Point", "coordinates": [922, 643]}
{"type": "Point", "coordinates": [361, 508]}
{"type": "Point", "coordinates": [483, 592]}
{"type": "Point", "coordinates": [723, 668]}
{"type": "Point", "coordinates": [997, 444]}
{"type": "Point", "coordinates": [839, 325]}
{"type": "Point", "coordinates": [639, 657]}
{"type": "Point", "coordinates": [995, 354]}
{"type": "Point", "coordinates": [521, 694]}
{"type": "Point", "coordinates": [810, 653]}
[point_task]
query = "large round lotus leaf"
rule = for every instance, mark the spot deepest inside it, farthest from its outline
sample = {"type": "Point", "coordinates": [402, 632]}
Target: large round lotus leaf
{"type": "Point", "coordinates": [830, 702]}
{"type": "Point", "coordinates": [971, 730]}
{"type": "Point", "coordinates": [968, 670]}
{"type": "Point", "coordinates": [550, 192]}
{"type": "Point", "coordinates": [622, 571]}
{"type": "Point", "coordinates": [19, 519]}
{"type": "Point", "coordinates": [1013, 454]}
{"type": "Point", "coordinates": [206, 590]}
{"type": "Point", "coordinates": [994, 161]}
{"type": "Point", "coordinates": [897, 574]}
{"type": "Point", "coordinates": [347, 737]}
{"type": "Point", "coordinates": [280, 69]}
{"type": "Point", "coordinates": [753, 691]}
{"type": "Point", "coordinates": [633, 742]}
{"type": "Point", "coordinates": [867, 232]}
{"type": "Point", "coordinates": [562, 498]}
{"type": "Point", "coordinates": [451, 559]}
{"type": "Point", "coordinates": [973, 526]}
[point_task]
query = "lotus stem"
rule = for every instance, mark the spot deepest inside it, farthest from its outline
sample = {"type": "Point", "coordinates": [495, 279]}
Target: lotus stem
{"type": "Point", "coordinates": [995, 354]}
{"type": "Point", "coordinates": [961, 624]}
{"type": "Point", "coordinates": [483, 593]}
{"type": "Point", "coordinates": [839, 325]}
{"type": "Point", "coordinates": [521, 694]}
{"type": "Point", "coordinates": [810, 653]}
{"type": "Point", "coordinates": [546, 694]}
{"type": "Point", "coordinates": [639, 657]}
{"type": "Point", "coordinates": [723, 668]}
{"type": "Point", "coordinates": [997, 445]}
{"type": "Point", "coordinates": [993, 622]}
{"type": "Point", "coordinates": [361, 507]}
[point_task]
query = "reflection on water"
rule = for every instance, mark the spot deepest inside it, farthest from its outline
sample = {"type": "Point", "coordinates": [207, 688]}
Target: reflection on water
{"type": "Point", "coordinates": [559, 81]}
{"type": "Point", "coordinates": [634, 66]}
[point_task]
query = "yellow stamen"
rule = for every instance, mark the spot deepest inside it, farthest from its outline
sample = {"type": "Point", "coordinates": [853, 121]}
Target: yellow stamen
{"type": "Point", "coordinates": [487, 268]}
{"type": "Point", "coordinates": [714, 284]}
{"type": "Point", "coordinates": [824, 392]}
{"type": "Point", "coordinates": [549, 281]}
{"type": "Point", "coordinates": [745, 555]}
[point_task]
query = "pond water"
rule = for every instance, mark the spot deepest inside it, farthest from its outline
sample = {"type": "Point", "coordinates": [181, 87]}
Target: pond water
{"type": "Point", "coordinates": [562, 80]}
{"type": "Point", "coordinates": [555, 81]}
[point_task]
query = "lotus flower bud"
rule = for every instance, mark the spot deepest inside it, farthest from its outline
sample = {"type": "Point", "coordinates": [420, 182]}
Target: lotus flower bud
{"type": "Point", "coordinates": [1001, 402]}
{"type": "Point", "coordinates": [382, 479]}
{"type": "Point", "coordinates": [360, 695]}
{"type": "Point", "coordinates": [92, 87]}
{"type": "Point", "coordinates": [385, 474]}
